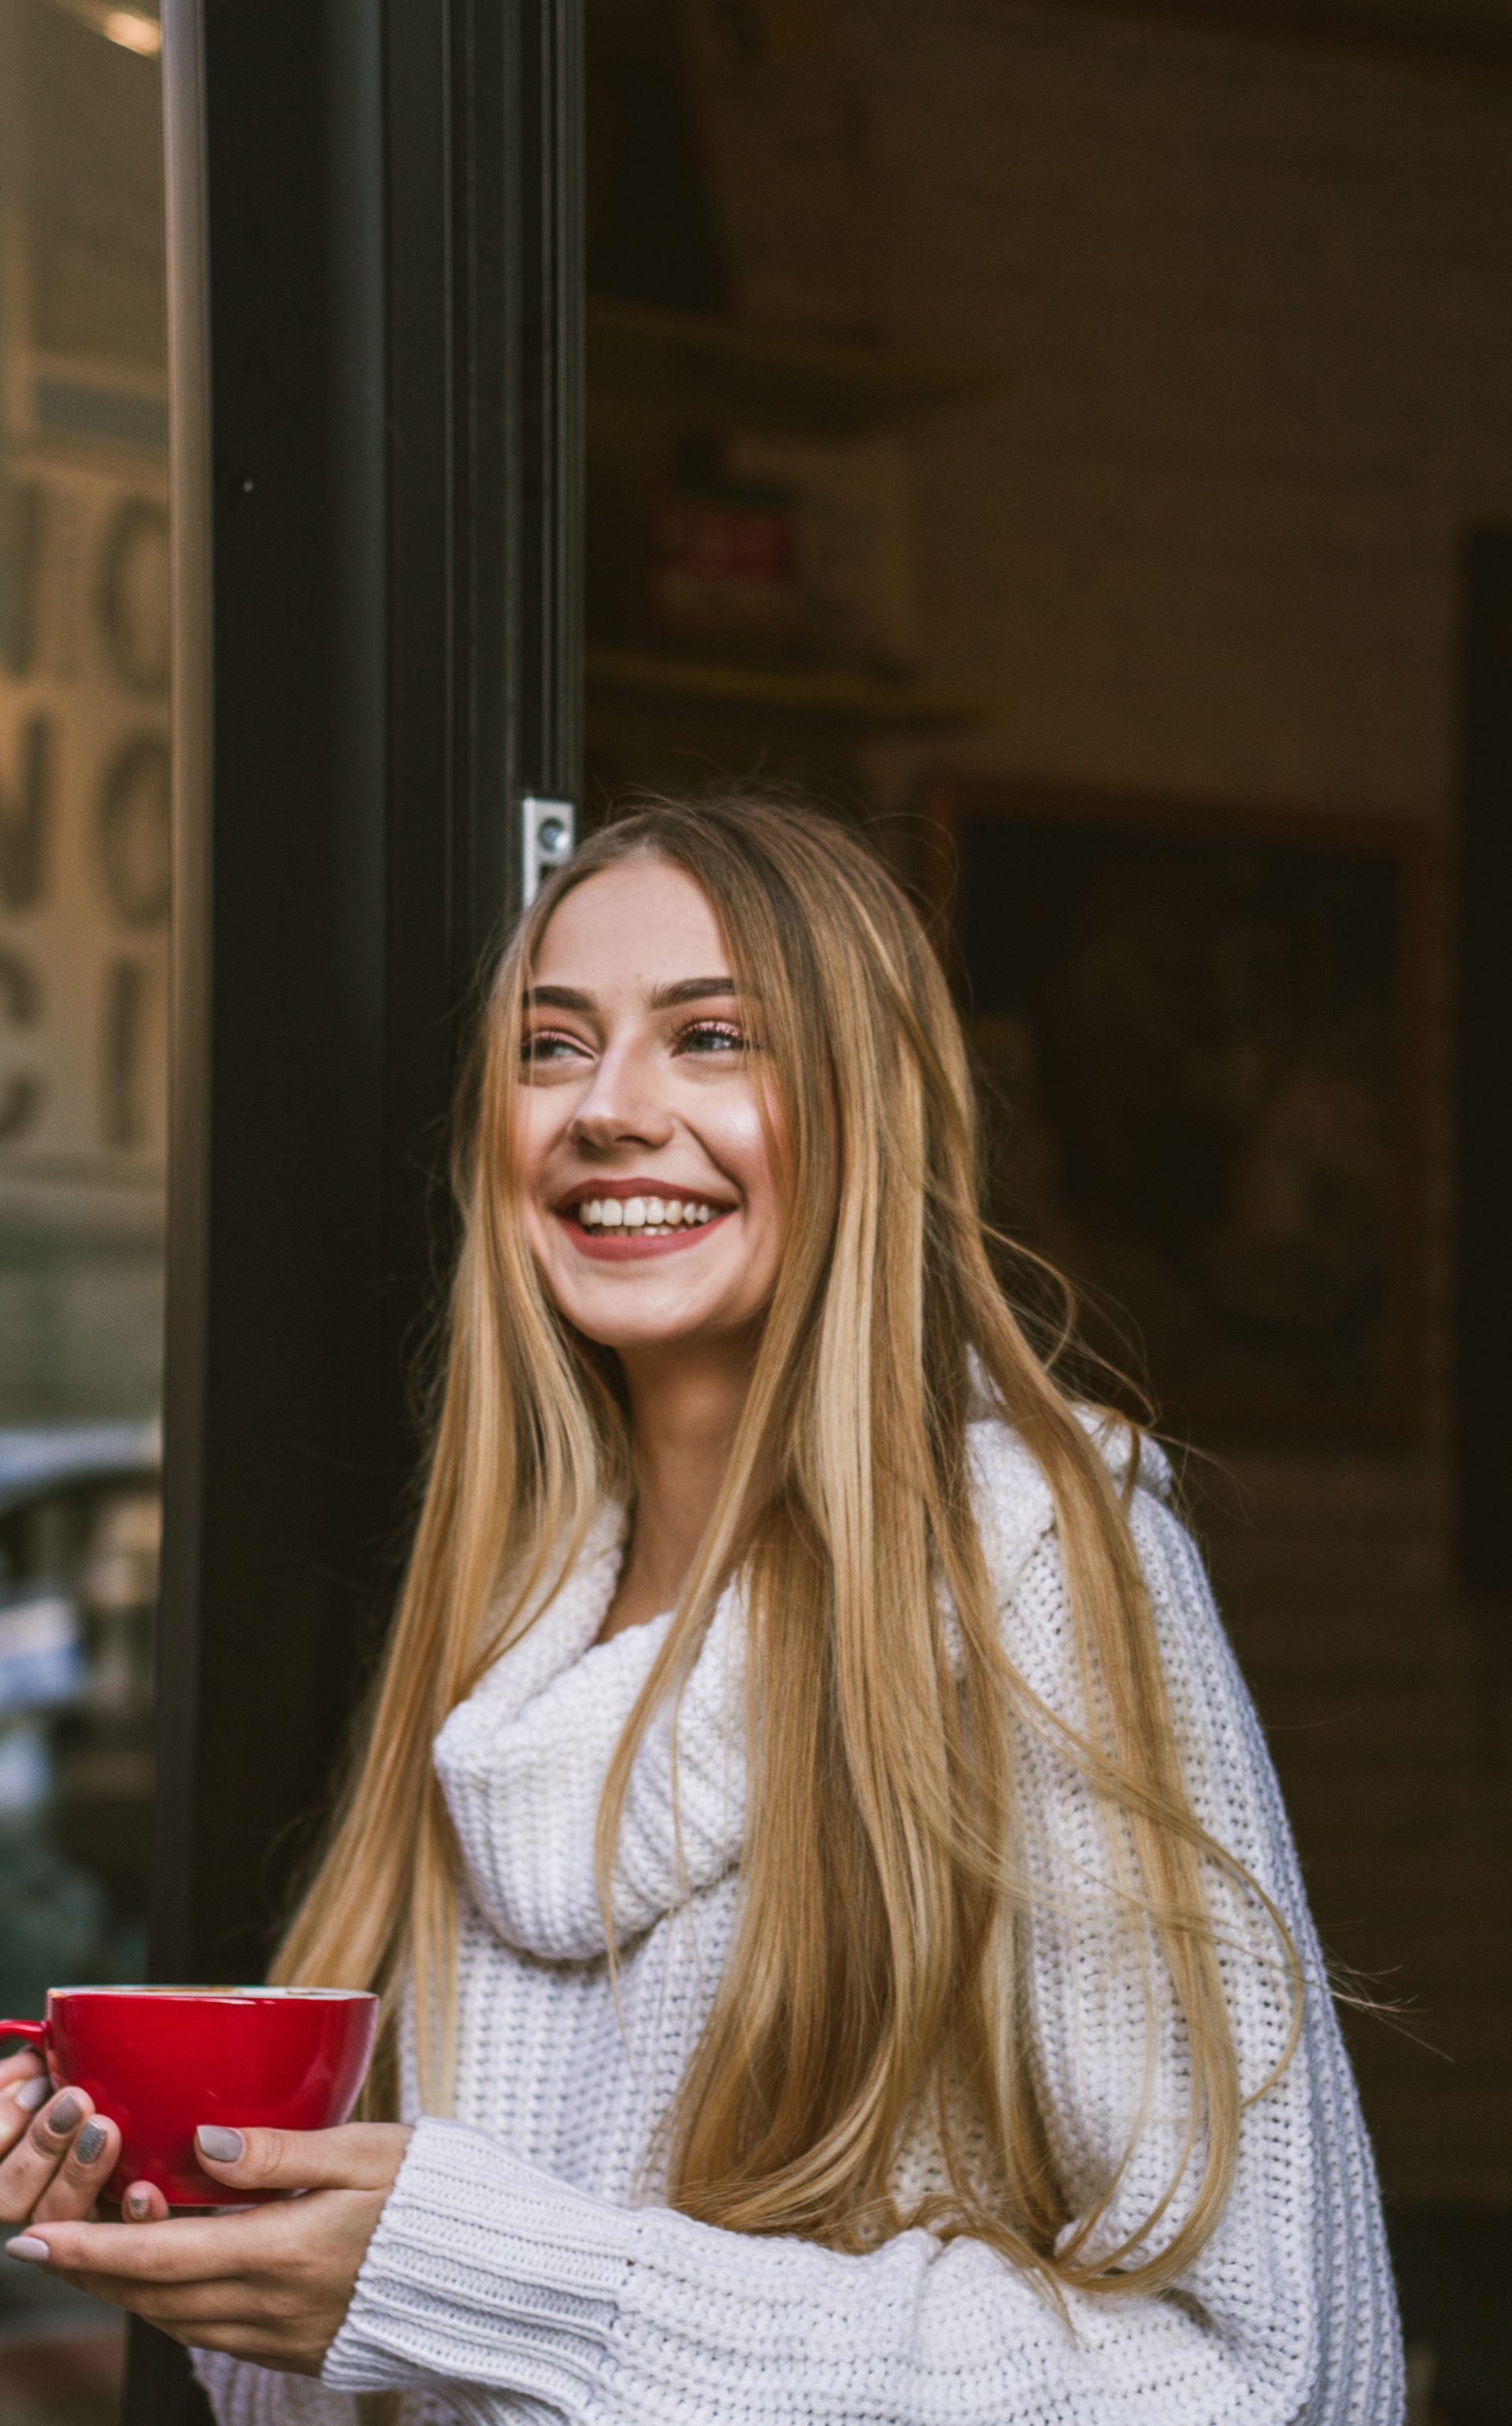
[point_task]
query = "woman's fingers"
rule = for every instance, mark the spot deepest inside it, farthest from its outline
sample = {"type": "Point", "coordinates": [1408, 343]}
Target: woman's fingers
{"type": "Point", "coordinates": [186, 2248]}
{"type": "Point", "coordinates": [261, 2318]}
{"type": "Point", "coordinates": [83, 2174]}
{"type": "Point", "coordinates": [24, 2086]}
{"type": "Point", "coordinates": [351, 2156]}
{"type": "Point", "coordinates": [271, 2282]}
{"type": "Point", "coordinates": [32, 2163]}
{"type": "Point", "coordinates": [144, 2203]}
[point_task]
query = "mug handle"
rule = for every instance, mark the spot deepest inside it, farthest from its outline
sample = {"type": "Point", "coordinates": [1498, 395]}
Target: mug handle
{"type": "Point", "coordinates": [35, 2033]}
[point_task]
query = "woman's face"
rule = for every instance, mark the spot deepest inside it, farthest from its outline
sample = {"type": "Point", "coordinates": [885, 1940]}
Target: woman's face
{"type": "Point", "coordinates": [648, 1188]}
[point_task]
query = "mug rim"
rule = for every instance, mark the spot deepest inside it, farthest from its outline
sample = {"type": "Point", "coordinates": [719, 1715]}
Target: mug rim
{"type": "Point", "coordinates": [232, 1994]}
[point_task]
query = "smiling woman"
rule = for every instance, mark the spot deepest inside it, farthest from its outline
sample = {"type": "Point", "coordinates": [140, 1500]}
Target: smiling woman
{"type": "Point", "coordinates": [834, 1920]}
{"type": "Point", "coordinates": [646, 1152]}
{"type": "Point", "coordinates": [640, 1072]}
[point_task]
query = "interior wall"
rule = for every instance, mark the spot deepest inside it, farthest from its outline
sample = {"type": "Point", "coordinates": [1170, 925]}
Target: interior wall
{"type": "Point", "coordinates": [1248, 306]}
{"type": "Point", "coordinates": [1250, 312]}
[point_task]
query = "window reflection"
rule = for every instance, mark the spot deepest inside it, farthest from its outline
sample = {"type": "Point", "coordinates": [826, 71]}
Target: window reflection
{"type": "Point", "coordinates": [84, 912]}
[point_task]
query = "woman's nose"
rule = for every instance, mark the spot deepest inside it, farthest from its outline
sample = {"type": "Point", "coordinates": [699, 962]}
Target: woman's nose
{"type": "Point", "coordinates": [623, 1107]}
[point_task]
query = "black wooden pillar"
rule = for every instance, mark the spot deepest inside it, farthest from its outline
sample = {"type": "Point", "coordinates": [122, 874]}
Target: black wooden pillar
{"type": "Point", "coordinates": [1483, 1151]}
{"type": "Point", "coordinates": [375, 307]}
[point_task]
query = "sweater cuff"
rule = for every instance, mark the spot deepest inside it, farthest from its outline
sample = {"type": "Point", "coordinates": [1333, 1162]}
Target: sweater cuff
{"type": "Point", "coordinates": [485, 2271]}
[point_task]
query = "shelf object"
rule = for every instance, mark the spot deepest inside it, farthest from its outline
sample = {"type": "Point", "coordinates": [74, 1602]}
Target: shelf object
{"type": "Point", "coordinates": [646, 683]}
{"type": "Point", "coordinates": [651, 369]}
{"type": "Point", "coordinates": [796, 409]}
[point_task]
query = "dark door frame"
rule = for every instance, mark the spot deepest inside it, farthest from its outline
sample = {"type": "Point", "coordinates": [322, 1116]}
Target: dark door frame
{"type": "Point", "coordinates": [375, 310]}
{"type": "Point", "coordinates": [1482, 1161]}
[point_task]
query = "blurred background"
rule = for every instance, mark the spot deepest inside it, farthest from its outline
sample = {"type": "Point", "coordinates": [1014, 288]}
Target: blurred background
{"type": "Point", "coordinates": [1076, 441]}
{"type": "Point", "coordinates": [1079, 439]}
{"type": "Point", "coordinates": [83, 901]}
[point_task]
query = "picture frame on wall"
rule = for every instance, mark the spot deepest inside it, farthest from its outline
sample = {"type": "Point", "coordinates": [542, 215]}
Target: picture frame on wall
{"type": "Point", "coordinates": [1204, 1033]}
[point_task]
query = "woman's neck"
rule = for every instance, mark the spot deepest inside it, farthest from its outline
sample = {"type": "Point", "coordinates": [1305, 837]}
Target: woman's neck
{"type": "Point", "coordinates": [685, 1408]}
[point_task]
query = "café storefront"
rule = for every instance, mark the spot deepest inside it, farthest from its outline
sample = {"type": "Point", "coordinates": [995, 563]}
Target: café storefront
{"type": "Point", "coordinates": [1071, 441]}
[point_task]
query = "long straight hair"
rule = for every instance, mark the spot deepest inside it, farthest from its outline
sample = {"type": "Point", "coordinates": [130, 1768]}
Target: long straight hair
{"type": "Point", "coordinates": [877, 1968]}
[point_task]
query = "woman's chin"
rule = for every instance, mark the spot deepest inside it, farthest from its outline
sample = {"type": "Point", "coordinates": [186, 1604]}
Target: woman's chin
{"type": "Point", "coordinates": [656, 1301]}
{"type": "Point", "coordinates": [627, 1334]}
{"type": "Point", "coordinates": [642, 1317]}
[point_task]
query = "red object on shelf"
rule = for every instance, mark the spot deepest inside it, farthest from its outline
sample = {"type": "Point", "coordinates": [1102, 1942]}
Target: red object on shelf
{"type": "Point", "coordinates": [724, 569]}
{"type": "Point", "coordinates": [159, 2061]}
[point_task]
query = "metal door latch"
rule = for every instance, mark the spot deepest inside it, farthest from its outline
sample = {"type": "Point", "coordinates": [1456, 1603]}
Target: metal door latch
{"type": "Point", "coordinates": [549, 830]}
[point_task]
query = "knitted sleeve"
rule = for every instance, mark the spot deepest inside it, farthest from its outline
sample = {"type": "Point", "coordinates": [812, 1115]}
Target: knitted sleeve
{"type": "Point", "coordinates": [518, 2296]}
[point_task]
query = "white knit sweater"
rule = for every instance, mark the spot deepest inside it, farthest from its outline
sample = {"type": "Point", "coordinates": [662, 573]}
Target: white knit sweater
{"type": "Point", "coordinates": [523, 2267]}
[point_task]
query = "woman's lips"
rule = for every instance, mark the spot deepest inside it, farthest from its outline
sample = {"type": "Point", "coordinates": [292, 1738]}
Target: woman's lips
{"type": "Point", "coordinates": [632, 1246]}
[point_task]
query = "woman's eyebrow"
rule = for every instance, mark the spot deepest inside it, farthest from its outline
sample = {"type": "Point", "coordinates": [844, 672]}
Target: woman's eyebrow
{"type": "Point", "coordinates": [557, 998]}
{"type": "Point", "coordinates": [690, 989]}
{"type": "Point", "coordinates": [666, 997]}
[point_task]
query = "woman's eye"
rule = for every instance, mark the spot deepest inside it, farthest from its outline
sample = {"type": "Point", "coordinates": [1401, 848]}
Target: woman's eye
{"type": "Point", "coordinates": [548, 1044]}
{"type": "Point", "coordinates": [705, 1036]}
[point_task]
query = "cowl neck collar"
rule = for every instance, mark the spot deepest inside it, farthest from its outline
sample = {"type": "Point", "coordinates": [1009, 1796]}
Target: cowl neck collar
{"type": "Point", "coordinates": [523, 1761]}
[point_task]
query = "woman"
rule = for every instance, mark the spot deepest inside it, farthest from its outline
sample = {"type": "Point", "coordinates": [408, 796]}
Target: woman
{"type": "Point", "coordinates": [812, 1838]}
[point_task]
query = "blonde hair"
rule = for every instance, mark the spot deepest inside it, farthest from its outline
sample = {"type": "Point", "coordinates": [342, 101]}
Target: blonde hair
{"type": "Point", "coordinates": [877, 1972]}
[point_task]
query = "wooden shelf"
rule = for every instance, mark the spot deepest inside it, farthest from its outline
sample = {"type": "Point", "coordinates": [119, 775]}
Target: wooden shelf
{"type": "Point", "coordinates": [745, 693]}
{"type": "Point", "coordinates": [682, 367]}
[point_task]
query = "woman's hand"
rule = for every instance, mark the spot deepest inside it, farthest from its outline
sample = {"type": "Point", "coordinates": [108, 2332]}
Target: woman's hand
{"type": "Point", "coordinates": [55, 2157]}
{"type": "Point", "coordinates": [271, 2284]}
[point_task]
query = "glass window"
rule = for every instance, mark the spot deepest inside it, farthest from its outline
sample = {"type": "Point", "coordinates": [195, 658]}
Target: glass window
{"type": "Point", "coordinates": [84, 913]}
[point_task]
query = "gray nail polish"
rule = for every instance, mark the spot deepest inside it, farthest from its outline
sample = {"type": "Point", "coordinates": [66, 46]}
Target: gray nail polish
{"type": "Point", "coordinates": [64, 2115]}
{"type": "Point", "coordinates": [32, 2093]}
{"type": "Point", "coordinates": [222, 2147]}
{"type": "Point", "coordinates": [90, 2142]}
{"type": "Point", "coordinates": [138, 2201]}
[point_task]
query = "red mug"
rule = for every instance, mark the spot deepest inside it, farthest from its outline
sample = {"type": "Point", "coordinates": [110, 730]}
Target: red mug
{"type": "Point", "coordinates": [159, 2061]}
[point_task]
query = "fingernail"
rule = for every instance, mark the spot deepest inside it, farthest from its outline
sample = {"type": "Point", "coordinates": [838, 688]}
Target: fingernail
{"type": "Point", "coordinates": [222, 2147]}
{"type": "Point", "coordinates": [138, 2200]}
{"type": "Point", "coordinates": [32, 2093]}
{"type": "Point", "coordinates": [90, 2142]}
{"type": "Point", "coordinates": [64, 2114]}
{"type": "Point", "coordinates": [31, 2250]}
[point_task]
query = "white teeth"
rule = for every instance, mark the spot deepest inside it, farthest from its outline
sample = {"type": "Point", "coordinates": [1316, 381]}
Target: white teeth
{"type": "Point", "coordinates": [657, 1213]}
